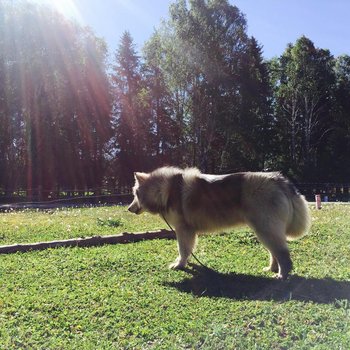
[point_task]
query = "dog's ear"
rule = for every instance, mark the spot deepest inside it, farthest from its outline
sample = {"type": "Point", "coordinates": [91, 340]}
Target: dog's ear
{"type": "Point", "coordinates": [141, 177]}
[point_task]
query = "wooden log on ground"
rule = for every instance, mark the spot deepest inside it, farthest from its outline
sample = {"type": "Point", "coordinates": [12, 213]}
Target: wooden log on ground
{"type": "Point", "coordinates": [124, 237]}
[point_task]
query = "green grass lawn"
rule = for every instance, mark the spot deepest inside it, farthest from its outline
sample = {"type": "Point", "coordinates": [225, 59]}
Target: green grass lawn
{"type": "Point", "coordinates": [124, 297]}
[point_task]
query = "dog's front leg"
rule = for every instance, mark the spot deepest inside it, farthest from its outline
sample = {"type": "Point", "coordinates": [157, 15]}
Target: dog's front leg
{"type": "Point", "coordinates": [186, 241]}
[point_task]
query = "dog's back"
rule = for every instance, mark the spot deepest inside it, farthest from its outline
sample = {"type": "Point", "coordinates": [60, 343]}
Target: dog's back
{"type": "Point", "coordinates": [212, 202]}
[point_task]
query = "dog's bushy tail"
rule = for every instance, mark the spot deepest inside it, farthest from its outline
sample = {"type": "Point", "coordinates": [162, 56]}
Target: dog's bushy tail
{"type": "Point", "coordinates": [300, 221]}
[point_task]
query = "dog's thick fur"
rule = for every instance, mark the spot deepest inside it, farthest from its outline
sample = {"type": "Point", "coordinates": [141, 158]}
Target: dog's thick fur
{"type": "Point", "coordinates": [198, 203]}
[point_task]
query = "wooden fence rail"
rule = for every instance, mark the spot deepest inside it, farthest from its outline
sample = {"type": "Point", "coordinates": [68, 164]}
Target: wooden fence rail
{"type": "Point", "coordinates": [328, 191]}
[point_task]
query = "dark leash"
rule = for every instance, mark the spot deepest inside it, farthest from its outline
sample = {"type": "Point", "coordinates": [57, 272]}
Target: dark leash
{"type": "Point", "coordinates": [173, 231]}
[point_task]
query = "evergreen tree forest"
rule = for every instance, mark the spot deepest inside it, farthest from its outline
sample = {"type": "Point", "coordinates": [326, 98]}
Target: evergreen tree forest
{"type": "Point", "coordinates": [200, 93]}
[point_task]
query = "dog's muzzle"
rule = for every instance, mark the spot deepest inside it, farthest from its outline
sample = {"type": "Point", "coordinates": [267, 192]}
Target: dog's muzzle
{"type": "Point", "coordinates": [135, 208]}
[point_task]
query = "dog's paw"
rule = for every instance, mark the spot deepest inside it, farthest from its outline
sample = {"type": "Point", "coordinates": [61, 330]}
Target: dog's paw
{"type": "Point", "coordinates": [281, 277]}
{"type": "Point", "coordinates": [270, 269]}
{"type": "Point", "coordinates": [177, 265]}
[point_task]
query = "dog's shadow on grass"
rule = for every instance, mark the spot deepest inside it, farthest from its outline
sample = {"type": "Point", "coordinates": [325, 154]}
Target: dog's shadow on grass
{"type": "Point", "coordinates": [210, 283]}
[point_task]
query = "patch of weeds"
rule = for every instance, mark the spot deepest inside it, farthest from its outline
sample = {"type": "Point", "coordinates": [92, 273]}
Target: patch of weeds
{"type": "Point", "coordinates": [344, 305]}
{"type": "Point", "coordinates": [109, 222]}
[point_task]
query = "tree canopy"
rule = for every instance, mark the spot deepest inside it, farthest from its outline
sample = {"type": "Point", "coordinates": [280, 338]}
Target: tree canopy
{"type": "Point", "coordinates": [199, 94]}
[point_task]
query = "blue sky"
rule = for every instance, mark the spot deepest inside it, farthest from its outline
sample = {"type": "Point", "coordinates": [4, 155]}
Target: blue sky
{"type": "Point", "coordinates": [274, 23]}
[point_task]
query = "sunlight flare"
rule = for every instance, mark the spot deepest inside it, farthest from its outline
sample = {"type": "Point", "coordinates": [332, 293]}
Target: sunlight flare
{"type": "Point", "coordinates": [67, 7]}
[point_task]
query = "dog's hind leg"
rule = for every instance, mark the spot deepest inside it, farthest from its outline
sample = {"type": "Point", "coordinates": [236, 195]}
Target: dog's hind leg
{"type": "Point", "coordinates": [186, 241]}
{"type": "Point", "coordinates": [280, 260]}
{"type": "Point", "coordinates": [285, 264]}
{"type": "Point", "coordinates": [273, 237]}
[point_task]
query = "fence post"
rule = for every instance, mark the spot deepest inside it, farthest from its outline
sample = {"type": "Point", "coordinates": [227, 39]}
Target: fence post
{"type": "Point", "coordinates": [318, 201]}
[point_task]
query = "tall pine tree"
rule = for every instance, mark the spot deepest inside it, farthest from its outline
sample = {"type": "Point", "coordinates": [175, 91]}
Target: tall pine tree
{"type": "Point", "coordinates": [132, 123]}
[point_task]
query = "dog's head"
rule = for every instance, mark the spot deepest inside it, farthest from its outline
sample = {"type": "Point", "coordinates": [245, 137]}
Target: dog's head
{"type": "Point", "coordinates": [151, 191]}
{"type": "Point", "coordinates": [138, 204]}
{"type": "Point", "coordinates": [148, 194]}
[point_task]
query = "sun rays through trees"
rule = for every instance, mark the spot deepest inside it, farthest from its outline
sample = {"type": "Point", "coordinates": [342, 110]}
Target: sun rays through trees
{"type": "Point", "coordinates": [199, 93]}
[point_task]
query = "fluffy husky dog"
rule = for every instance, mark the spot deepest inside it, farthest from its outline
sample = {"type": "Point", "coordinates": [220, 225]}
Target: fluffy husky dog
{"type": "Point", "coordinates": [198, 203]}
